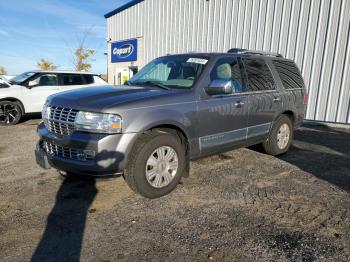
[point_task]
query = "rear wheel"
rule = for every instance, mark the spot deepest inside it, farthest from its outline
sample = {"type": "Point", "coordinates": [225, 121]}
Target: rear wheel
{"type": "Point", "coordinates": [280, 137]}
{"type": "Point", "coordinates": [10, 113]}
{"type": "Point", "coordinates": [156, 164]}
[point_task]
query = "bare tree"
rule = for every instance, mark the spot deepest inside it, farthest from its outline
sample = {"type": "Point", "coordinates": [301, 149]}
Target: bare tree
{"type": "Point", "coordinates": [83, 56]}
{"type": "Point", "coordinates": [3, 70]}
{"type": "Point", "coordinates": [44, 64]}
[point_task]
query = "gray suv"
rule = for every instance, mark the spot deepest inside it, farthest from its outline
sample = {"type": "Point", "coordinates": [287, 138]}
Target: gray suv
{"type": "Point", "coordinates": [176, 109]}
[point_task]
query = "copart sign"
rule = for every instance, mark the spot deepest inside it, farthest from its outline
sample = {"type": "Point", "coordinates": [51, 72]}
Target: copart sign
{"type": "Point", "coordinates": [124, 51]}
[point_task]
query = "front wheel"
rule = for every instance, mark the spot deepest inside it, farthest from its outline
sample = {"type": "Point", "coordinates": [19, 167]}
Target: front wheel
{"type": "Point", "coordinates": [280, 137]}
{"type": "Point", "coordinates": [10, 113]}
{"type": "Point", "coordinates": [156, 164]}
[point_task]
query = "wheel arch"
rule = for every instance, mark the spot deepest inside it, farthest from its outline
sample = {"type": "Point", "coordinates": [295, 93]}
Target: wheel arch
{"type": "Point", "coordinates": [290, 114]}
{"type": "Point", "coordinates": [174, 129]}
{"type": "Point", "coordinates": [15, 100]}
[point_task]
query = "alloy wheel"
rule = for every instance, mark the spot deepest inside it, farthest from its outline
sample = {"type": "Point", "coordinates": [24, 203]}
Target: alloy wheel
{"type": "Point", "coordinates": [8, 113]}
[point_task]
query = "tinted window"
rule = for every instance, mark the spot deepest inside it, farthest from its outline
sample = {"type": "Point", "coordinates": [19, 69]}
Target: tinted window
{"type": "Point", "coordinates": [259, 75]}
{"type": "Point", "coordinates": [45, 80]}
{"type": "Point", "coordinates": [228, 69]}
{"type": "Point", "coordinates": [88, 79]}
{"type": "Point", "coordinates": [289, 74]}
{"type": "Point", "coordinates": [70, 80]}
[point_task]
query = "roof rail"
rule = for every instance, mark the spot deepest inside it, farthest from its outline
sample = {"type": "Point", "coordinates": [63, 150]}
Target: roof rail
{"type": "Point", "coordinates": [252, 52]}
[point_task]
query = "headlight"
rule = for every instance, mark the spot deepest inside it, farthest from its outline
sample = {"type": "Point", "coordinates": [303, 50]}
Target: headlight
{"type": "Point", "coordinates": [45, 111]}
{"type": "Point", "coordinates": [97, 122]}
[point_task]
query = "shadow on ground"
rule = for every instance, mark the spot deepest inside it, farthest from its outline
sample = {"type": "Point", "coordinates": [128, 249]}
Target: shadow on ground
{"type": "Point", "coordinates": [323, 152]}
{"type": "Point", "coordinates": [63, 236]}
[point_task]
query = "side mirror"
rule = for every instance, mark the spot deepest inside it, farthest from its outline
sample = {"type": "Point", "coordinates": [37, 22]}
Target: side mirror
{"type": "Point", "coordinates": [31, 84]}
{"type": "Point", "coordinates": [220, 87]}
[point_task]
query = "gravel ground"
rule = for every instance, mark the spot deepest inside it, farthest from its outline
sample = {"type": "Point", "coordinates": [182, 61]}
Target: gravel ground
{"type": "Point", "coordinates": [239, 206]}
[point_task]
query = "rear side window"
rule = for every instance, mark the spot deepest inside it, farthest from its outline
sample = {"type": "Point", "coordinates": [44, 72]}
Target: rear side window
{"type": "Point", "coordinates": [88, 79]}
{"type": "Point", "coordinates": [258, 75]}
{"type": "Point", "coordinates": [72, 79]}
{"type": "Point", "coordinates": [289, 74]}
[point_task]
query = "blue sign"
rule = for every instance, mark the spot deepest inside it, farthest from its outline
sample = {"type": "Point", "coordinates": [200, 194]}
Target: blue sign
{"type": "Point", "coordinates": [124, 51]}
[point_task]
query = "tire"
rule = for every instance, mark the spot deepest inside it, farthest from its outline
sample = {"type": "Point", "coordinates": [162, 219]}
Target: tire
{"type": "Point", "coordinates": [147, 172]}
{"type": "Point", "coordinates": [277, 143]}
{"type": "Point", "coordinates": [10, 113]}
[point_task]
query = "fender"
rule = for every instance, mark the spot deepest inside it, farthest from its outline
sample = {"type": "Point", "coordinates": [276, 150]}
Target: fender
{"type": "Point", "coordinates": [143, 121]}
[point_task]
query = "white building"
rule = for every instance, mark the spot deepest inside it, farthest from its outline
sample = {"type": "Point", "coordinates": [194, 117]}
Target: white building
{"type": "Point", "coordinates": [314, 33]}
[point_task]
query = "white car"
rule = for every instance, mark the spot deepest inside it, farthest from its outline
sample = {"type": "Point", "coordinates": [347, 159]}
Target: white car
{"type": "Point", "coordinates": [27, 92]}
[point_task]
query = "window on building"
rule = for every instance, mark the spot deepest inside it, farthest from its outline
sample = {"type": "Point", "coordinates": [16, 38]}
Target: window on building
{"type": "Point", "coordinates": [258, 75]}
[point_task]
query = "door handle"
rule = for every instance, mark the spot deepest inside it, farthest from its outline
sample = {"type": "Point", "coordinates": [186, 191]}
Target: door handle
{"type": "Point", "coordinates": [239, 104]}
{"type": "Point", "coordinates": [276, 99]}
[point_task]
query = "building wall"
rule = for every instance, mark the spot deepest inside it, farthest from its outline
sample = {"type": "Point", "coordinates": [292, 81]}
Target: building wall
{"type": "Point", "coordinates": [314, 33]}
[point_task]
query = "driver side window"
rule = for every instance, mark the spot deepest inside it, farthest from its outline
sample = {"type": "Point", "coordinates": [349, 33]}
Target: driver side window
{"type": "Point", "coordinates": [45, 80]}
{"type": "Point", "coordinates": [228, 69]}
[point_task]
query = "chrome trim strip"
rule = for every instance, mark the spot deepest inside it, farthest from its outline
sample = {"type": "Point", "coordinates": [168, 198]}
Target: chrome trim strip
{"type": "Point", "coordinates": [233, 136]}
{"type": "Point", "coordinates": [258, 130]}
{"type": "Point", "coordinates": [222, 138]}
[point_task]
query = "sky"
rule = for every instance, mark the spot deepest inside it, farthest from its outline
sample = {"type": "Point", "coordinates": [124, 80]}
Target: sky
{"type": "Point", "coordinates": [50, 29]}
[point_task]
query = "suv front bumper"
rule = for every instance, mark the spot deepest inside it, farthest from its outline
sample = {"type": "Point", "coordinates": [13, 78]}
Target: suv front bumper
{"type": "Point", "coordinates": [84, 153]}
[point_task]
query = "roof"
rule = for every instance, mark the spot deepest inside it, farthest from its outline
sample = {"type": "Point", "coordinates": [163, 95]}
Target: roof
{"type": "Point", "coordinates": [123, 7]}
{"type": "Point", "coordinates": [62, 71]}
{"type": "Point", "coordinates": [258, 54]}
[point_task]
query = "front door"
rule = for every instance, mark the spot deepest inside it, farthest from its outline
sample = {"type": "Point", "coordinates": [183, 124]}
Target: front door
{"type": "Point", "coordinates": [38, 90]}
{"type": "Point", "coordinates": [222, 119]}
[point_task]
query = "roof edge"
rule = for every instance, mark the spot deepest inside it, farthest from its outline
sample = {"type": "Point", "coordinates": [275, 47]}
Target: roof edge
{"type": "Point", "coordinates": [123, 7]}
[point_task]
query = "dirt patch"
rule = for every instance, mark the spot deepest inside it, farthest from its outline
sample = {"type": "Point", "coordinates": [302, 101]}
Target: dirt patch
{"type": "Point", "coordinates": [238, 206]}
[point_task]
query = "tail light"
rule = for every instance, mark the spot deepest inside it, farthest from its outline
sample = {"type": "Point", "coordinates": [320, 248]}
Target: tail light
{"type": "Point", "coordinates": [306, 98]}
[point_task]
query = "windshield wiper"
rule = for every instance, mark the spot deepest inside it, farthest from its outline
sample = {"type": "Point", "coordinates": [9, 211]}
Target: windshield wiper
{"type": "Point", "coordinates": [155, 83]}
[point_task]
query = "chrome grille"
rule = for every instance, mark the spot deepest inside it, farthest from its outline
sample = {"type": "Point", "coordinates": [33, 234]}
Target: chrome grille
{"type": "Point", "coordinates": [66, 152]}
{"type": "Point", "coordinates": [61, 120]}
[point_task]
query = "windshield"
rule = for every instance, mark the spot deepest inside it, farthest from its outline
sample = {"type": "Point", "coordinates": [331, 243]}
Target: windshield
{"type": "Point", "coordinates": [179, 72]}
{"type": "Point", "coordinates": [22, 77]}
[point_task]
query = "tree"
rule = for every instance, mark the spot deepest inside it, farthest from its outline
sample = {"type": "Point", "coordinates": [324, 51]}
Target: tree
{"type": "Point", "coordinates": [82, 55]}
{"type": "Point", "coordinates": [44, 64]}
{"type": "Point", "coordinates": [83, 58]}
{"type": "Point", "coordinates": [3, 70]}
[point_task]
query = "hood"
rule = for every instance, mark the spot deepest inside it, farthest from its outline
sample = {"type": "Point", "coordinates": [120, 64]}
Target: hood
{"type": "Point", "coordinates": [11, 91]}
{"type": "Point", "coordinates": [101, 99]}
{"type": "Point", "coordinates": [4, 83]}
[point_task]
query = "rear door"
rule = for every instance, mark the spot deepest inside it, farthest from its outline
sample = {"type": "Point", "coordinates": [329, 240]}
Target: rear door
{"type": "Point", "coordinates": [264, 98]}
{"type": "Point", "coordinates": [294, 95]}
{"type": "Point", "coordinates": [222, 119]}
